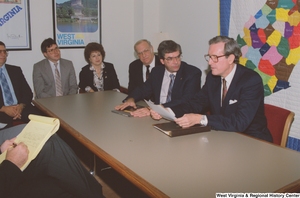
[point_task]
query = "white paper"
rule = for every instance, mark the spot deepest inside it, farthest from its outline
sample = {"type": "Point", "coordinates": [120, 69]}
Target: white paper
{"type": "Point", "coordinates": [2, 125]}
{"type": "Point", "coordinates": [161, 110]}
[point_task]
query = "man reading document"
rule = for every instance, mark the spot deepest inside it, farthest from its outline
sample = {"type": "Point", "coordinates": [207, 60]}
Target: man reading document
{"type": "Point", "coordinates": [232, 93]}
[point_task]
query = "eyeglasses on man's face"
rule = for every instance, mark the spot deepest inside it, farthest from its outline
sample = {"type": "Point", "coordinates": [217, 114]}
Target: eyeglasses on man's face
{"type": "Point", "coordinates": [170, 59]}
{"type": "Point", "coordinates": [146, 51]}
{"type": "Point", "coordinates": [214, 58]}
{"type": "Point", "coordinates": [51, 51]}
{"type": "Point", "coordinates": [4, 52]}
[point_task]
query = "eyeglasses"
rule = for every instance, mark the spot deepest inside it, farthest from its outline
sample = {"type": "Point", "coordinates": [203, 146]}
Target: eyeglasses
{"type": "Point", "coordinates": [146, 51]}
{"type": "Point", "coordinates": [51, 51]}
{"type": "Point", "coordinates": [3, 51]}
{"type": "Point", "coordinates": [214, 58]}
{"type": "Point", "coordinates": [177, 58]}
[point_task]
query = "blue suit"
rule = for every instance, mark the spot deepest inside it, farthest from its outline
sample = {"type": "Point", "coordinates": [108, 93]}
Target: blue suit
{"type": "Point", "coordinates": [187, 83]}
{"type": "Point", "coordinates": [242, 109]}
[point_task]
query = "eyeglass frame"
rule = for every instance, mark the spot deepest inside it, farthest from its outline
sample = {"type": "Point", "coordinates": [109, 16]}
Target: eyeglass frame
{"type": "Point", "coordinates": [169, 59]}
{"type": "Point", "coordinates": [51, 51]}
{"type": "Point", "coordinates": [217, 57]}
{"type": "Point", "coordinates": [143, 52]}
{"type": "Point", "coordinates": [4, 52]}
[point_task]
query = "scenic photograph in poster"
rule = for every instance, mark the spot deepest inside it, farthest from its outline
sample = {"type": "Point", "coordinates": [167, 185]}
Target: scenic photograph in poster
{"type": "Point", "coordinates": [76, 22]}
{"type": "Point", "coordinates": [15, 24]}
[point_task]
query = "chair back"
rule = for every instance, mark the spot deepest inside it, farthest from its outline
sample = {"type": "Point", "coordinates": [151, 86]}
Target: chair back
{"type": "Point", "coordinates": [279, 123]}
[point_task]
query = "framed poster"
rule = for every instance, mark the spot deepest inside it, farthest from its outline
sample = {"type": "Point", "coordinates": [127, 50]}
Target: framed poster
{"type": "Point", "coordinates": [76, 22]}
{"type": "Point", "coordinates": [15, 24]}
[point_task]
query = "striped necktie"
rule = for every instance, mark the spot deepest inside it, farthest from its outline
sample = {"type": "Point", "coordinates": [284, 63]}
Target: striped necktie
{"type": "Point", "coordinates": [57, 82]}
{"type": "Point", "coordinates": [172, 76]}
{"type": "Point", "coordinates": [224, 92]}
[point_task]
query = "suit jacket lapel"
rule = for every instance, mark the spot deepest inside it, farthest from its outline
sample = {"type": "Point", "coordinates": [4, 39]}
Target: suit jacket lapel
{"type": "Point", "coordinates": [158, 83]}
{"type": "Point", "coordinates": [233, 85]}
{"type": "Point", "coordinates": [178, 79]}
{"type": "Point", "coordinates": [63, 73]}
{"type": "Point", "coordinates": [216, 94]}
{"type": "Point", "coordinates": [140, 71]}
{"type": "Point", "coordinates": [48, 70]}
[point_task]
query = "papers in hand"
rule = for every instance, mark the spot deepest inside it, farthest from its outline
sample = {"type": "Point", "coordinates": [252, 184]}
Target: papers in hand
{"type": "Point", "coordinates": [161, 110]}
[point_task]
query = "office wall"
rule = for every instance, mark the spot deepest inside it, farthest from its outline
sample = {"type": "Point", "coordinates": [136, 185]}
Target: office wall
{"type": "Point", "coordinates": [123, 23]}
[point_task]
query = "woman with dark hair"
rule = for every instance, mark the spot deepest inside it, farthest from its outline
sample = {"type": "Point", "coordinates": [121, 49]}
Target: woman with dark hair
{"type": "Point", "coordinates": [97, 75]}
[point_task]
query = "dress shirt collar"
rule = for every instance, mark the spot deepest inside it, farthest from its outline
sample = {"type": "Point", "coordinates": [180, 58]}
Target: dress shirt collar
{"type": "Point", "coordinates": [229, 77]}
{"type": "Point", "coordinates": [152, 64]}
{"type": "Point", "coordinates": [52, 64]}
{"type": "Point", "coordinates": [167, 73]}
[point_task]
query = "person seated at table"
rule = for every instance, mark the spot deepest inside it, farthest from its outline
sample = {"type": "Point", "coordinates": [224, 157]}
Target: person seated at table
{"type": "Point", "coordinates": [97, 75]}
{"type": "Point", "coordinates": [55, 172]}
{"type": "Point", "coordinates": [171, 83]}
{"type": "Point", "coordinates": [15, 93]}
{"type": "Point", "coordinates": [232, 93]}
{"type": "Point", "coordinates": [140, 69]}
{"type": "Point", "coordinates": [54, 75]}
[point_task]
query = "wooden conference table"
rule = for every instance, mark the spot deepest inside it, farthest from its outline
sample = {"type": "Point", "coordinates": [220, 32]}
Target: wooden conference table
{"type": "Point", "coordinates": [197, 165]}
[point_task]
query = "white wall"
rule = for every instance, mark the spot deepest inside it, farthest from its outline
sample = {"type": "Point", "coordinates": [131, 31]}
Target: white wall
{"type": "Point", "coordinates": [125, 22]}
{"type": "Point", "coordinates": [191, 23]}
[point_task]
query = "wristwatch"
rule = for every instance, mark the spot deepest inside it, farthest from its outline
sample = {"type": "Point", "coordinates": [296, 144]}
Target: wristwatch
{"type": "Point", "coordinates": [202, 121]}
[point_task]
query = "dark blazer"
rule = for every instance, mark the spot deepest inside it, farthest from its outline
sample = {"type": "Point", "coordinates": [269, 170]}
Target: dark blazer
{"type": "Point", "coordinates": [22, 91]}
{"type": "Point", "coordinates": [187, 83]}
{"type": "Point", "coordinates": [111, 81]}
{"type": "Point", "coordinates": [55, 172]}
{"type": "Point", "coordinates": [136, 73]}
{"type": "Point", "coordinates": [242, 109]}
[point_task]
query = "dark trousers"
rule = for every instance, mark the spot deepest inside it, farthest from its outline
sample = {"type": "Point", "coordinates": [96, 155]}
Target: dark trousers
{"type": "Point", "coordinates": [57, 172]}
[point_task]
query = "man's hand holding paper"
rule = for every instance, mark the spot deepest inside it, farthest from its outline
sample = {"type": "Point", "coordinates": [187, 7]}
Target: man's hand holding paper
{"type": "Point", "coordinates": [160, 111]}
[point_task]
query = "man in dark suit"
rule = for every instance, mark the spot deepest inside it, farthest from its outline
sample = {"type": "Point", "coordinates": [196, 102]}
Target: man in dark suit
{"type": "Point", "coordinates": [55, 172]}
{"type": "Point", "coordinates": [185, 82]}
{"type": "Point", "coordinates": [45, 77]}
{"type": "Point", "coordinates": [237, 105]}
{"type": "Point", "coordinates": [138, 68]}
{"type": "Point", "coordinates": [15, 93]}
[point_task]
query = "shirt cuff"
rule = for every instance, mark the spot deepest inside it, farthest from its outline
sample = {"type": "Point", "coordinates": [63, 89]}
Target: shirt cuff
{"type": "Point", "coordinates": [204, 120]}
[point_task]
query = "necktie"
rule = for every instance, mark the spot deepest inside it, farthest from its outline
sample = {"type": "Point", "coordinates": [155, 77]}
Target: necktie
{"type": "Point", "coordinates": [224, 92]}
{"type": "Point", "coordinates": [147, 71]}
{"type": "Point", "coordinates": [8, 96]}
{"type": "Point", "coordinates": [57, 82]}
{"type": "Point", "coordinates": [172, 76]}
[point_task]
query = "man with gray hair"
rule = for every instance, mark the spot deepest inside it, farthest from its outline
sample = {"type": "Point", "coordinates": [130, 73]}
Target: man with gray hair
{"type": "Point", "coordinates": [171, 83]}
{"type": "Point", "coordinates": [232, 93]}
{"type": "Point", "coordinates": [139, 70]}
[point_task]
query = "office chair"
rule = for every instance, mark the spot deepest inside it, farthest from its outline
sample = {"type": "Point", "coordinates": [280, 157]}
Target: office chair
{"type": "Point", "coordinates": [123, 90]}
{"type": "Point", "coordinates": [279, 123]}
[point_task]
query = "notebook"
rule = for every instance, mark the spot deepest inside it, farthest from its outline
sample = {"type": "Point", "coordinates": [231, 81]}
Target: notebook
{"type": "Point", "coordinates": [172, 129]}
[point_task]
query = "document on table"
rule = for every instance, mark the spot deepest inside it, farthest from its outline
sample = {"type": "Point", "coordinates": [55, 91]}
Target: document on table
{"type": "Point", "coordinates": [161, 110]}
